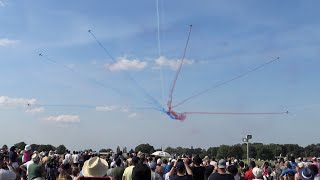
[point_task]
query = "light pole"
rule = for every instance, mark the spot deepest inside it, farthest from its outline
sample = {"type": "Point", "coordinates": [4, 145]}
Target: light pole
{"type": "Point", "coordinates": [246, 140]}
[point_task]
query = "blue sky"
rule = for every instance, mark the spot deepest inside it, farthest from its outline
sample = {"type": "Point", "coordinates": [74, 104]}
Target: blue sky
{"type": "Point", "coordinates": [227, 39]}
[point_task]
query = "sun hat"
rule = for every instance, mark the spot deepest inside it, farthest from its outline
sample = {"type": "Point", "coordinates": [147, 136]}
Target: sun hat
{"type": "Point", "coordinates": [27, 148]}
{"type": "Point", "coordinates": [306, 174]}
{"type": "Point", "coordinates": [257, 172]}
{"type": "Point", "coordinates": [95, 167]}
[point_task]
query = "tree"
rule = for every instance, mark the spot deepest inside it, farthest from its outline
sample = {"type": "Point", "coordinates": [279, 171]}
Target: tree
{"type": "Point", "coordinates": [235, 151]}
{"type": "Point", "coordinates": [294, 150]}
{"type": "Point", "coordinates": [109, 150]}
{"type": "Point", "coordinates": [265, 153]}
{"type": "Point", "coordinates": [34, 147]}
{"type": "Point", "coordinates": [103, 150]}
{"type": "Point", "coordinates": [212, 151]}
{"type": "Point", "coordinates": [20, 145]}
{"type": "Point", "coordinates": [197, 151]}
{"type": "Point", "coordinates": [252, 152]}
{"type": "Point", "coordinates": [47, 147]}
{"type": "Point", "coordinates": [312, 150]}
{"type": "Point", "coordinates": [145, 148]}
{"type": "Point", "coordinates": [61, 149]}
{"type": "Point", "coordinates": [170, 150]}
{"type": "Point", "coordinates": [223, 151]}
{"type": "Point", "coordinates": [276, 149]}
{"type": "Point", "coordinates": [181, 150]}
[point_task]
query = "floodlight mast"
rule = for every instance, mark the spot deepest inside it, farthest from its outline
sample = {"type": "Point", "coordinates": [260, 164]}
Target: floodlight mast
{"type": "Point", "coordinates": [246, 140]}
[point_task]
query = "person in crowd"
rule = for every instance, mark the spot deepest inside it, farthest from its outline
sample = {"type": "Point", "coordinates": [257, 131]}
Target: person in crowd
{"type": "Point", "coordinates": [233, 170]}
{"type": "Point", "coordinates": [112, 166]}
{"type": "Point", "coordinates": [248, 175]}
{"type": "Point", "coordinates": [221, 173]}
{"type": "Point", "coordinates": [299, 166]}
{"type": "Point", "coordinates": [117, 172]}
{"type": "Point", "coordinates": [27, 154]}
{"type": "Point", "coordinates": [257, 173]}
{"type": "Point", "coordinates": [75, 158]}
{"type": "Point", "coordinates": [127, 174]}
{"type": "Point", "coordinates": [75, 173]}
{"type": "Point", "coordinates": [198, 170]}
{"type": "Point", "coordinates": [159, 167]}
{"type": "Point", "coordinates": [154, 175]}
{"type": "Point", "coordinates": [269, 174]}
{"type": "Point", "coordinates": [35, 169]}
{"type": "Point", "coordinates": [210, 169]}
{"type": "Point", "coordinates": [141, 171]}
{"type": "Point", "coordinates": [288, 169]}
{"type": "Point", "coordinates": [5, 172]}
{"type": "Point", "coordinates": [241, 168]}
{"type": "Point", "coordinates": [181, 171]}
{"type": "Point", "coordinates": [165, 166]}
{"type": "Point", "coordinates": [13, 158]}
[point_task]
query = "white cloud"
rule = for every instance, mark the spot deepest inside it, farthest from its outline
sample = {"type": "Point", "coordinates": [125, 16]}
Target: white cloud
{"type": "Point", "coordinates": [171, 63]}
{"type": "Point", "coordinates": [132, 115]}
{"type": "Point", "coordinates": [14, 102]}
{"type": "Point", "coordinates": [63, 119]}
{"type": "Point", "coordinates": [106, 108]}
{"type": "Point", "coordinates": [35, 110]}
{"type": "Point", "coordinates": [2, 4]}
{"type": "Point", "coordinates": [94, 62]}
{"type": "Point", "coordinates": [112, 108]}
{"type": "Point", "coordinates": [7, 42]}
{"type": "Point", "coordinates": [125, 64]}
{"type": "Point", "coordinates": [71, 66]}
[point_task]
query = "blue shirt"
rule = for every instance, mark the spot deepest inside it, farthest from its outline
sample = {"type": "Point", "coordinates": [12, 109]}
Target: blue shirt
{"type": "Point", "coordinates": [166, 168]}
{"type": "Point", "coordinates": [288, 170]}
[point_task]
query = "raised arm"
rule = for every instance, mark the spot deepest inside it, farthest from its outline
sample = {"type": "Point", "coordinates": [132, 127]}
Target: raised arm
{"type": "Point", "coordinates": [187, 167]}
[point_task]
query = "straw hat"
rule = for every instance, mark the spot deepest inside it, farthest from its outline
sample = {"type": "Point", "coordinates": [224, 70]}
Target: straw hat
{"type": "Point", "coordinates": [95, 167]}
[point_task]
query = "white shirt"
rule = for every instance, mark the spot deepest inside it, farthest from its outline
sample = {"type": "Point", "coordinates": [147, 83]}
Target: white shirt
{"type": "Point", "coordinates": [166, 177]}
{"type": "Point", "coordinates": [7, 175]}
{"type": "Point", "coordinates": [68, 158]}
{"type": "Point", "coordinates": [236, 177]}
{"type": "Point", "coordinates": [75, 158]}
{"type": "Point", "coordinates": [27, 164]}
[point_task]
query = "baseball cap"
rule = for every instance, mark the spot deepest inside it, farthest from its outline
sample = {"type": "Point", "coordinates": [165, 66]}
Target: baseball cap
{"type": "Point", "coordinates": [222, 164]}
{"type": "Point", "coordinates": [180, 165]}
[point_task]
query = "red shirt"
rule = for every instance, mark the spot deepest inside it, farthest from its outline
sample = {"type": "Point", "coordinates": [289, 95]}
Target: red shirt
{"type": "Point", "coordinates": [248, 175]}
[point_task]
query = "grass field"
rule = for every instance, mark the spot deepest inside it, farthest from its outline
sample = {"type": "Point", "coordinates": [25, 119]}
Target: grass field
{"type": "Point", "coordinates": [258, 163]}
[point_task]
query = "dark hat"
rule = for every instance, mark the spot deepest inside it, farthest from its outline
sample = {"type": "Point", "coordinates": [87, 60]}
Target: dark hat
{"type": "Point", "coordinates": [306, 174]}
{"type": "Point", "coordinates": [180, 165]}
{"type": "Point", "coordinates": [197, 160]}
